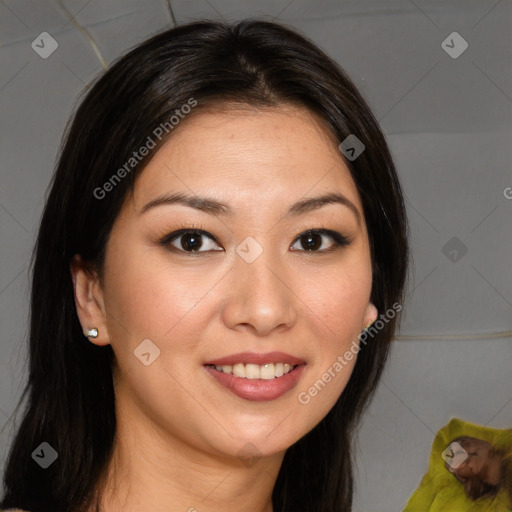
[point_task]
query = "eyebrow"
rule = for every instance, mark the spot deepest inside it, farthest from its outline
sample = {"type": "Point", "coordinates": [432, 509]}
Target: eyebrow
{"type": "Point", "coordinates": [214, 207]}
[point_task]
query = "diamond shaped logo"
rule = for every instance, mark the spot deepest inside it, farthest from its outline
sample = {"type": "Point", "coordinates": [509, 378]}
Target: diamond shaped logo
{"type": "Point", "coordinates": [44, 45]}
{"type": "Point", "coordinates": [454, 249]}
{"type": "Point", "coordinates": [454, 455]}
{"type": "Point", "coordinates": [249, 249]}
{"type": "Point", "coordinates": [44, 455]}
{"type": "Point", "coordinates": [146, 352]}
{"type": "Point", "coordinates": [249, 454]}
{"type": "Point", "coordinates": [454, 45]}
{"type": "Point", "coordinates": [351, 147]}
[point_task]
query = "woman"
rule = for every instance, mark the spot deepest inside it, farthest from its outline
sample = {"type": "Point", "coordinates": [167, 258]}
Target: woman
{"type": "Point", "coordinates": [224, 221]}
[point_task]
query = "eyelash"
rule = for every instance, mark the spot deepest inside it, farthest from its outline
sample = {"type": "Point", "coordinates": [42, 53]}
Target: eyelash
{"type": "Point", "coordinates": [338, 239]}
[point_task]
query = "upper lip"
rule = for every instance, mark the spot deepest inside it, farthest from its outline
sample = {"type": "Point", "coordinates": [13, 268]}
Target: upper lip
{"type": "Point", "coordinates": [255, 358]}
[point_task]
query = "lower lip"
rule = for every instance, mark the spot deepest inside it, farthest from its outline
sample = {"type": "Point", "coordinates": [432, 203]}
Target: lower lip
{"type": "Point", "coordinates": [258, 390]}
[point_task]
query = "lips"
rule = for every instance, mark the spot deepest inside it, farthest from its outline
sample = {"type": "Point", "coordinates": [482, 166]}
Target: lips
{"type": "Point", "coordinates": [257, 390]}
{"type": "Point", "coordinates": [254, 358]}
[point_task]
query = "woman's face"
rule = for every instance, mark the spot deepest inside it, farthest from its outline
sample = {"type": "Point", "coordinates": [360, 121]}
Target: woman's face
{"type": "Point", "coordinates": [250, 285]}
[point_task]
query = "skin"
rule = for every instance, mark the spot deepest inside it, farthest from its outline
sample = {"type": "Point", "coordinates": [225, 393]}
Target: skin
{"type": "Point", "coordinates": [176, 424]}
{"type": "Point", "coordinates": [481, 466]}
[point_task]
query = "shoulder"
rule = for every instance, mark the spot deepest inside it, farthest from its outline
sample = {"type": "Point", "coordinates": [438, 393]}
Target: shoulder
{"type": "Point", "coordinates": [13, 510]}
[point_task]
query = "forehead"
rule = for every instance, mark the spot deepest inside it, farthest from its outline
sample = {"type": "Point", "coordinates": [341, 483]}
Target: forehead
{"type": "Point", "coordinates": [251, 153]}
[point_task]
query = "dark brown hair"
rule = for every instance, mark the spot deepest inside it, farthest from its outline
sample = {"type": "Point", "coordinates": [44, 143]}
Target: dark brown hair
{"type": "Point", "coordinates": [70, 396]}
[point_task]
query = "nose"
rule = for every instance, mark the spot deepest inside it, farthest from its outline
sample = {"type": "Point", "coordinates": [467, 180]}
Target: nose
{"type": "Point", "coordinates": [260, 296]}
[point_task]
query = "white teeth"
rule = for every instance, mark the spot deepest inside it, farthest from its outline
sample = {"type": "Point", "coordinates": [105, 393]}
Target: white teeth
{"type": "Point", "coordinates": [239, 370]}
{"type": "Point", "coordinates": [254, 371]}
{"type": "Point", "coordinates": [267, 371]}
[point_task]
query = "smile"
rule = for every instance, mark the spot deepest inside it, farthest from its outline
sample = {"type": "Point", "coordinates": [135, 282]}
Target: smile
{"type": "Point", "coordinates": [254, 388]}
{"type": "Point", "coordinates": [254, 371]}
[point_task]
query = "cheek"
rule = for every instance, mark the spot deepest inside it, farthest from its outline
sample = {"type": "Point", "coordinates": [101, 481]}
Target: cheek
{"type": "Point", "coordinates": [345, 303]}
{"type": "Point", "coordinates": [335, 313]}
{"type": "Point", "coordinates": [337, 303]}
{"type": "Point", "coordinates": [134, 300]}
{"type": "Point", "coordinates": [149, 295]}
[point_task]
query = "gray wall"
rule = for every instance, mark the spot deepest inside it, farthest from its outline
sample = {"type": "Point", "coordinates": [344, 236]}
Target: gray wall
{"type": "Point", "coordinates": [448, 123]}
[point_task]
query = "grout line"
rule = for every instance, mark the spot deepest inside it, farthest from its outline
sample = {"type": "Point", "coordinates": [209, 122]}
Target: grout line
{"type": "Point", "coordinates": [5, 85]}
{"type": "Point", "coordinates": [493, 287]}
{"type": "Point", "coordinates": [424, 14]}
{"type": "Point", "coordinates": [485, 15]}
{"type": "Point", "coordinates": [282, 10]}
{"type": "Point", "coordinates": [15, 15]}
{"type": "Point", "coordinates": [85, 33]}
{"type": "Point", "coordinates": [501, 409]}
{"type": "Point", "coordinates": [171, 12]}
{"type": "Point", "coordinates": [492, 81]}
{"type": "Point", "coordinates": [206, 1]}
{"type": "Point", "coordinates": [417, 417]}
{"type": "Point", "coordinates": [474, 336]}
{"type": "Point", "coordinates": [381, 118]}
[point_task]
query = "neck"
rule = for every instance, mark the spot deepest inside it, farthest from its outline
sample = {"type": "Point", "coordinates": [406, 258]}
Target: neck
{"type": "Point", "coordinates": [152, 469]}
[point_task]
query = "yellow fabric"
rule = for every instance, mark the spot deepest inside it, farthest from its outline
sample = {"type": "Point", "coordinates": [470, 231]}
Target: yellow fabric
{"type": "Point", "coordinates": [439, 491]}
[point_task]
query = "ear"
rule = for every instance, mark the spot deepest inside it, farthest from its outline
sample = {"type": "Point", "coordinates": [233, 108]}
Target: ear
{"type": "Point", "coordinates": [370, 315]}
{"type": "Point", "coordinates": [89, 302]}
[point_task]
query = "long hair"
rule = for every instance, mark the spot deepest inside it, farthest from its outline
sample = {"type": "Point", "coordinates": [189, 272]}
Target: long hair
{"type": "Point", "coordinates": [70, 395]}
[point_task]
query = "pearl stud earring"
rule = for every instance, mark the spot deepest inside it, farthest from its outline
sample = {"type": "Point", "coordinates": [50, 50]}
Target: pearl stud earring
{"type": "Point", "coordinates": [91, 333]}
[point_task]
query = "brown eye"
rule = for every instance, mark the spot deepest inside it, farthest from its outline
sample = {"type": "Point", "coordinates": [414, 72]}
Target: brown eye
{"type": "Point", "coordinates": [313, 240]}
{"type": "Point", "coordinates": [191, 241]}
